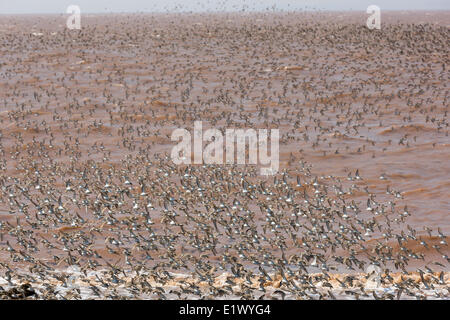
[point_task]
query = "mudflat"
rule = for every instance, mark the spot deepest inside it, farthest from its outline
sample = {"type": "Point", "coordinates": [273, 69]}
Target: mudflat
{"type": "Point", "coordinates": [90, 197]}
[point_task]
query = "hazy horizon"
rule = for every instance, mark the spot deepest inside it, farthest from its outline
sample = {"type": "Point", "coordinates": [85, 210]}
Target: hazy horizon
{"type": "Point", "coordinates": [157, 6]}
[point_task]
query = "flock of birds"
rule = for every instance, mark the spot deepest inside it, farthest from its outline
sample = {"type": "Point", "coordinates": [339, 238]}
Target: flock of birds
{"type": "Point", "coordinates": [91, 205]}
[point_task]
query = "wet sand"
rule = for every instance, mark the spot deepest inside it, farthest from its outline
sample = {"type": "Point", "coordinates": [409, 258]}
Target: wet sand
{"type": "Point", "coordinates": [84, 112]}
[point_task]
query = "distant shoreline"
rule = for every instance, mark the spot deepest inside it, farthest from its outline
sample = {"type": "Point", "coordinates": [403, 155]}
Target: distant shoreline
{"type": "Point", "coordinates": [193, 13]}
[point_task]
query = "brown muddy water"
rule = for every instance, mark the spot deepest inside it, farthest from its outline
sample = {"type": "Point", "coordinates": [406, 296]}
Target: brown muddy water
{"type": "Point", "coordinates": [88, 187]}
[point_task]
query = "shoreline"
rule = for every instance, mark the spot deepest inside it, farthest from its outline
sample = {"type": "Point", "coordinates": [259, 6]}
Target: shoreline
{"type": "Point", "coordinates": [226, 286]}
